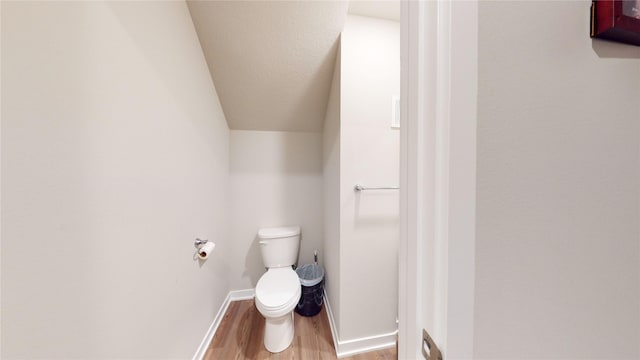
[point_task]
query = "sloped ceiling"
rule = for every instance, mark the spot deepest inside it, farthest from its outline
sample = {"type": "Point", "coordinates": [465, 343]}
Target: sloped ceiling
{"type": "Point", "coordinates": [271, 62]}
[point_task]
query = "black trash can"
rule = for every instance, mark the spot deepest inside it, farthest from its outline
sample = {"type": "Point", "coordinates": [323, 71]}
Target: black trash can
{"type": "Point", "coordinates": [312, 282]}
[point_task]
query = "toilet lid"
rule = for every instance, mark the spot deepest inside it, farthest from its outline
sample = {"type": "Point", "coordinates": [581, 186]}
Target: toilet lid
{"type": "Point", "coordinates": [277, 286]}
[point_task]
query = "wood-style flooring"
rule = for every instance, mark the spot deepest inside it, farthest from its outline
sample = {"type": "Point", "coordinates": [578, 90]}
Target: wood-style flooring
{"type": "Point", "coordinates": [241, 332]}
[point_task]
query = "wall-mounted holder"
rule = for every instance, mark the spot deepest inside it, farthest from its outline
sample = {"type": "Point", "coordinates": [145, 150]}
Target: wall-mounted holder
{"type": "Point", "coordinates": [358, 187]}
{"type": "Point", "coordinates": [199, 243]}
{"type": "Point", "coordinates": [204, 247]}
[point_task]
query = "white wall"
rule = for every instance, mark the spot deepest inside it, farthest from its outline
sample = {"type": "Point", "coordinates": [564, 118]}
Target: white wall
{"type": "Point", "coordinates": [557, 252]}
{"type": "Point", "coordinates": [369, 155]}
{"type": "Point", "coordinates": [114, 158]}
{"type": "Point", "coordinates": [331, 179]}
{"type": "Point", "coordinates": [0, 184]}
{"type": "Point", "coordinates": [276, 180]}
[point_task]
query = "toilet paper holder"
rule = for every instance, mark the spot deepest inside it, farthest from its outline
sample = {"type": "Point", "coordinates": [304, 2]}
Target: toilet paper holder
{"type": "Point", "coordinates": [199, 242]}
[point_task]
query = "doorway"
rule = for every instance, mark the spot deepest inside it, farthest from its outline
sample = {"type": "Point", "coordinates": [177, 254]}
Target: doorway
{"type": "Point", "coordinates": [437, 176]}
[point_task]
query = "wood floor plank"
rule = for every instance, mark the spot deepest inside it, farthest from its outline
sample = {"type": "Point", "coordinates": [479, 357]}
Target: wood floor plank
{"type": "Point", "coordinates": [241, 331]}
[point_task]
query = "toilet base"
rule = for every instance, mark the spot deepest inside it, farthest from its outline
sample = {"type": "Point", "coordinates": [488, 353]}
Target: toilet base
{"type": "Point", "coordinates": [278, 333]}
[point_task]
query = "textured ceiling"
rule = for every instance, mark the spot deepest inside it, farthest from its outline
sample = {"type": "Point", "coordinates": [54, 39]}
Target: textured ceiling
{"type": "Point", "coordinates": [271, 62]}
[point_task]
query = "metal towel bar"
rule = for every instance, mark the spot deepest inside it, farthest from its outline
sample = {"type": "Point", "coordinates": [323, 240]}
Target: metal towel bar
{"type": "Point", "coordinates": [359, 187]}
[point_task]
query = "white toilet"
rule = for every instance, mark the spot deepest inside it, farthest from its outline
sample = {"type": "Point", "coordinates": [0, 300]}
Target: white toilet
{"type": "Point", "coordinates": [278, 290]}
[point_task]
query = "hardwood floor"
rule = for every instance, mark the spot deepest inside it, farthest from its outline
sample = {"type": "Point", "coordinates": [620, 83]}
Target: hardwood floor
{"type": "Point", "coordinates": [242, 328]}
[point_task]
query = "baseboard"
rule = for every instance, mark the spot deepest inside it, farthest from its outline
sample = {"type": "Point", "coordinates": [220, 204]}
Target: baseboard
{"type": "Point", "coordinates": [357, 346]}
{"type": "Point", "coordinates": [234, 295]}
{"type": "Point", "coordinates": [246, 294]}
{"type": "Point", "coordinates": [332, 322]}
{"type": "Point", "coordinates": [366, 344]}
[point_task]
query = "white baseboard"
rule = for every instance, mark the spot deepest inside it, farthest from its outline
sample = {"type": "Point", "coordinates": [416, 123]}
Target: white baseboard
{"type": "Point", "coordinates": [332, 322]}
{"type": "Point", "coordinates": [246, 294]}
{"type": "Point", "coordinates": [357, 346]}
{"type": "Point", "coordinates": [234, 295]}
{"type": "Point", "coordinates": [366, 344]}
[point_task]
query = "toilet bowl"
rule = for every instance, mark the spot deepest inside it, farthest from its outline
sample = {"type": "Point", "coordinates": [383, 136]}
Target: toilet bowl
{"type": "Point", "coordinates": [277, 294]}
{"type": "Point", "coordinates": [278, 290]}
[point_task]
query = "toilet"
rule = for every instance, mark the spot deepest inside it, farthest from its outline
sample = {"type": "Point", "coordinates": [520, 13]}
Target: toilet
{"type": "Point", "coordinates": [278, 290]}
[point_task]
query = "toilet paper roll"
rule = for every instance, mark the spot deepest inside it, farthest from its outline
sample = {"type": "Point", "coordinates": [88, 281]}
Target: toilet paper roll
{"type": "Point", "coordinates": [205, 250]}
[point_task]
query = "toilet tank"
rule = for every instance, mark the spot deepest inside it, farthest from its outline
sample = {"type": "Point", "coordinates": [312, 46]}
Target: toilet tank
{"type": "Point", "coordinates": [279, 245]}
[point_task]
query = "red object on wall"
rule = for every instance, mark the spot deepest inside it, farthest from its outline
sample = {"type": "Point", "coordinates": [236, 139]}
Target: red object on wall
{"type": "Point", "coordinates": [616, 20]}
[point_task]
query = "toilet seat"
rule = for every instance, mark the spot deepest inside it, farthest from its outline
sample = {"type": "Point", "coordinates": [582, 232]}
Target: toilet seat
{"type": "Point", "coordinates": [278, 291]}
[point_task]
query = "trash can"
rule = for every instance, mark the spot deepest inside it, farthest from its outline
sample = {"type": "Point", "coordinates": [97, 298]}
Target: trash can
{"type": "Point", "coordinates": [312, 282]}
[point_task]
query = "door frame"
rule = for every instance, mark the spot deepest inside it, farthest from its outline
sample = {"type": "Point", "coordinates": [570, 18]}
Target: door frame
{"type": "Point", "coordinates": [439, 78]}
